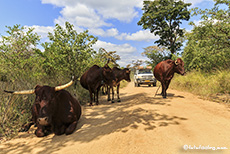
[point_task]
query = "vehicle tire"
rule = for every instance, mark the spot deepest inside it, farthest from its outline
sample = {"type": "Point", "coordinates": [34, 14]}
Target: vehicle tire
{"type": "Point", "coordinates": [154, 84]}
{"type": "Point", "coordinates": [138, 85]}
{"type": "Point", "coordinates": [149, 85]}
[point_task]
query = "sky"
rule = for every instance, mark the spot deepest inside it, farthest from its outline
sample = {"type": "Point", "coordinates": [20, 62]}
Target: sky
{"type": "Point", "coordinates": [114, 22]}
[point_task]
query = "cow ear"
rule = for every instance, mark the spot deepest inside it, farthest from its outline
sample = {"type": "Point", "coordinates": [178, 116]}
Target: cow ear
{"type": "Point", "coordinates": [37, 87]}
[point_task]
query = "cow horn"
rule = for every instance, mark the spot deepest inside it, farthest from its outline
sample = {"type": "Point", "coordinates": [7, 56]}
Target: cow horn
{"type": "Point", "coordinates": [176, 62]}
{"type": "Point", "coordinates": [64, 86]}
{"type": "Point", "coordinates": [20, 92]}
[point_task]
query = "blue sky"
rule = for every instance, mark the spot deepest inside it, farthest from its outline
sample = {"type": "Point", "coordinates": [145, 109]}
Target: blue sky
{"type": "Point", "coordinates": [114, 22]}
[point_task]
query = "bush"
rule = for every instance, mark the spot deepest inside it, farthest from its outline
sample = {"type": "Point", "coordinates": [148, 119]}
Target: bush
{"type": "Point", "coordinates": [209, 85]}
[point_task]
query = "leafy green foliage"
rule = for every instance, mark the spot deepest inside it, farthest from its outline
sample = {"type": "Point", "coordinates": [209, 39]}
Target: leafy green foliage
{"type": "Point", "coordinates": [18, 52]}
{"type": "Point", "coordinates": [156, 55]}
{"type": "Point", "coordinates": [163, 18]}
{"type": "Point", "coordinates": [208, 44]}
{"type": "Point", "coordinates": [137, 63]}
{"type": "Point", "coordinates": [69, 52]}
{"type": "Point", "coordinates": [103, 56]}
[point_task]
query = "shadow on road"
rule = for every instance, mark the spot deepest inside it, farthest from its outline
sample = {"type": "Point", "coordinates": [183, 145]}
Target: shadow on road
{"type": "Point", "coordinates": [107, 118]}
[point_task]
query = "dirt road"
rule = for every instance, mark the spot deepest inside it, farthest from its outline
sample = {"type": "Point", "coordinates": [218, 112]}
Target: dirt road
{"type": "Point", "coordinates": [140, 124]}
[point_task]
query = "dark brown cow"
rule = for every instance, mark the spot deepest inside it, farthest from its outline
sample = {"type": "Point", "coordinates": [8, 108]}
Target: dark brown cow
{"type": "Point", "coordinates": [120, 74]}
{"type": "Point", "coordinates": [164, 72]}
{"type": "Point", "coordinates": [55, 110]}
{"type": "Point", "coordinates": [94, 78]}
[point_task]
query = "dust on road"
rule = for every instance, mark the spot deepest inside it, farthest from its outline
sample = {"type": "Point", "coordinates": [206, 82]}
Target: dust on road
{"type": "Point", "coordinates": [140, 124]}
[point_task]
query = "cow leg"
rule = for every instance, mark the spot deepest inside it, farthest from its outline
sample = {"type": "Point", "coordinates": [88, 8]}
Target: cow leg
{"type": "Point", "coordinates": [91, 97]}
{"type": "Point", "coordinates": [59, 129]}
{"type": "Point", "coordinates": [109, 99]}
{"type": "Point", "coordinates": [103, 90]}
{"type": "Point", "coordinates": [163, 89]}
{"type": "Point", "coordinates": [106, 89]}
{"type": "Point", "coordinates": [118, 97]}
{"type": "Point", "coordinates": [112, 94]}
{"type": "Point", "coordinates": [167, 84]}
{"type": "Point", "coordinates": [71, 128]}
{"type": "Point", "coordinates": [98, 89]}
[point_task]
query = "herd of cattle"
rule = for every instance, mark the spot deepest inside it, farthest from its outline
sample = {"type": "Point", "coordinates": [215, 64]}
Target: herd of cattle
{"type": "Point", "coordinates": [56, 111]}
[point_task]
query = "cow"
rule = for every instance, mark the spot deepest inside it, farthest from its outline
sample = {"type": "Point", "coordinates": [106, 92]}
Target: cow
{"type": "Point", "coordinates": [120, 74]}
{"type": "Point", "coordinates": [94, 78]}
{"type": "Point", "coordinates": [54, 110]}
{"type": "Point", "coordinates": [164, 72]}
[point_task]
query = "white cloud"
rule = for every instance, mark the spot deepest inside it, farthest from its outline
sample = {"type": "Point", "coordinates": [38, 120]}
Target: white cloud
{"type": "Point", "coordinates": [121, 49]}
{"type": "Point", "coordinates": [112, 32]}
{"type": "Point", "coordinates": [126, 52]}
{"type": "Point", "coordinates": [142, 35]}
{"type": "Point", "coordinates": [94, 13]}
{"type": "Point", "coordinates": [42, 30]}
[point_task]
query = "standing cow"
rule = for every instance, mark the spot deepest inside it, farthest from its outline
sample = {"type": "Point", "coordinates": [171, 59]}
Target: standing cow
{"type": "Point", "coordinates": [94, 78]}
{"type": "Point", "coordinates": [120, 74]}
{"type": "Point", "coordinates": [164, 72]}
{"type": "Point", "coordinates": [54, 110]}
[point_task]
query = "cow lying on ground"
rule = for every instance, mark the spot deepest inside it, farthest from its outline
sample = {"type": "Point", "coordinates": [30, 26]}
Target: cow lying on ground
{"type": "Point", "coordinates": [54, 110]}
{"type": "Point", "coordinates": [94, 78]}
{"type": "Point", "coordinates": [164, 72]}
{"type": "Point", "coordinates": [120, 74]}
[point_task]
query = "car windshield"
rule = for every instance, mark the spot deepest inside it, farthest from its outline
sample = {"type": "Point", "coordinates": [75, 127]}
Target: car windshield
{"type": "Point", "coordinates": [145, 71]}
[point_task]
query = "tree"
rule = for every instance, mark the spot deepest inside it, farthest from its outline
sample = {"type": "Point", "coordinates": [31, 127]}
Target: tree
{"type": "Point", "coordinates": [102, 57]}
{"type": "Point", "coordinates": [155, 54]}
{"type": "Point", "coordinates": [137, 63]}
{"type": "Point", "coordinates": [69, 53]}
{"type": "Point", "coordinates": [208, 44]}
{"type": "Point", "coordinates": [18, 52]}
{"type": "Point", "coordinates": [163, 18]}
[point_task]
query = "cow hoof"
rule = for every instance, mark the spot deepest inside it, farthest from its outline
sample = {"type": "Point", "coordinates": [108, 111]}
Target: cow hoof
{"type": "Point", "coordinates": [118, 100]}
{"type": "Point", "coordinates": [90, 104]}
{"type": "Point", "coordinates": [112, 101]}
{"type": "Point", "coordinates": [164, 96]}
{"type": "Point", "coordinates": [109, 99]}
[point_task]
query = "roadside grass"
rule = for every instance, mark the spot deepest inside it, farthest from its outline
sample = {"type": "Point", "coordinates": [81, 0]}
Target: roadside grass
{"type": "Point", "coordinates": [214, 86]}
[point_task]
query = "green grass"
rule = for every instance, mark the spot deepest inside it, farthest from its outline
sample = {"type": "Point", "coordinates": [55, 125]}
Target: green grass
{"type": "Point", "coordinates": [214, 85]}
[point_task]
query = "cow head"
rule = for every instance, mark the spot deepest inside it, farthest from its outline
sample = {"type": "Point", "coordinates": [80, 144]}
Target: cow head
{"type": "Point", "coordinates": [108, 73]}
{"type": "Point", "coordinates": [179, 66]}
{"type": "Point", "coordinates": [44, 102]}
{"type": "Point", "coordinates": [126, 73]}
